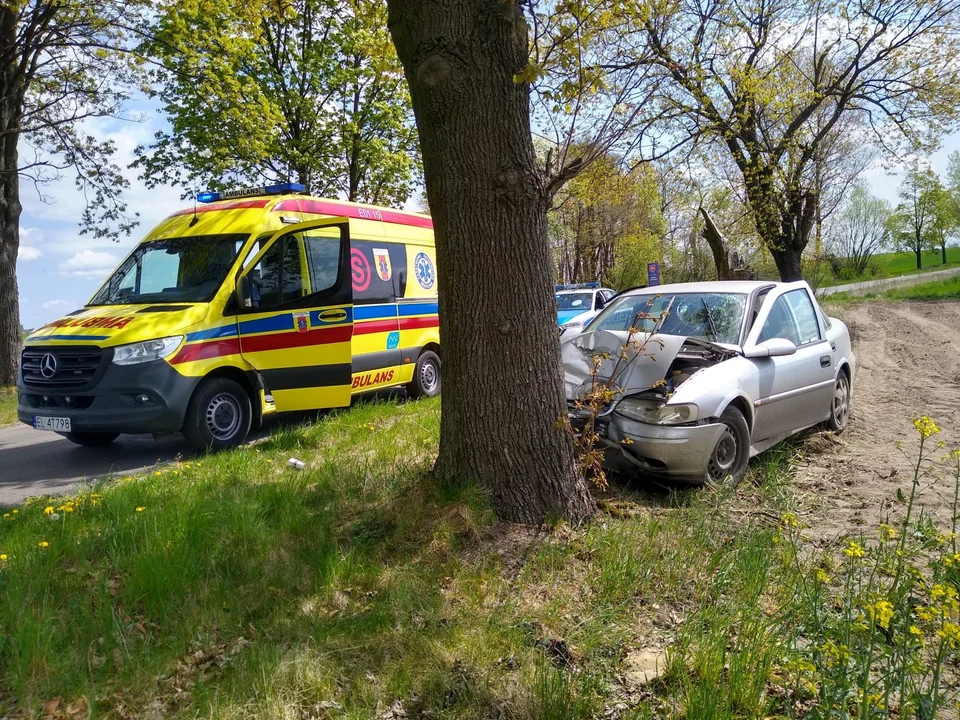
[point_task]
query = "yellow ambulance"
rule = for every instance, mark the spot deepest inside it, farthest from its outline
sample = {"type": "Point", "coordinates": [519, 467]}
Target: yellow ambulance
{"type": "Point", "coordinates": [249, 303]}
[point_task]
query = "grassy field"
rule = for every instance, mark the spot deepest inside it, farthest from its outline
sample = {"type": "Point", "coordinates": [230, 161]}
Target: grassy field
{"type": "Point", "coordinates": [8, 406]}
{"type": "Point", "coordinates": [237, 587]}
{"type": "Point", "coordinates": [948, 289]}
{"type": "Point", "coordinates": [881, 266]}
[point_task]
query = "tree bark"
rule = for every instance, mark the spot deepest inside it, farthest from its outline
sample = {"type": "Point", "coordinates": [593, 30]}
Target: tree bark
{"type": "Point", "coordinates": [714, 238]}
{"type": "Point", "coordinates": [10, 338]}
{"type": "Point", "coordinates": [943, 251]}
{"type": "Point", "coordinates": [502, 399]}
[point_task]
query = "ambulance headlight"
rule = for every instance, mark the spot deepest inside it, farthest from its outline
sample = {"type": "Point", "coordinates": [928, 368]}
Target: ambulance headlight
{"type": "Point", "coordinates": [145, 351]}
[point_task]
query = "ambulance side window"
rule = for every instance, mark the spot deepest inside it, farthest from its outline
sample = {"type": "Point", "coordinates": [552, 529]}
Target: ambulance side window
{"type": "Point", "coordinates": [323, 257]}
{"type": "Point", "coordinates": [277, 278]}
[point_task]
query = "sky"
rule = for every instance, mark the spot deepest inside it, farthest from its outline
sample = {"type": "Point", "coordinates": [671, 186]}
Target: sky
{"type": "Point", "coordinates": [58, 269]}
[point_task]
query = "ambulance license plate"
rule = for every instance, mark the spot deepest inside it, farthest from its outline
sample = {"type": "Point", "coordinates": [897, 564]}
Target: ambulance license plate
{"type": "Point", "coordinates": [57, 424]}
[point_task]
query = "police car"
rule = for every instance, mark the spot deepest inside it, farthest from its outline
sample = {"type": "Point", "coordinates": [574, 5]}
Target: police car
{"type": "Point", "coordinates": [579, 303]}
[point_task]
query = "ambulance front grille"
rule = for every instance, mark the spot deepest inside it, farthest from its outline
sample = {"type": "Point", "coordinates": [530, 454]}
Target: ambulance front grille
{"type": "Point", "coordinates": [73, 367]}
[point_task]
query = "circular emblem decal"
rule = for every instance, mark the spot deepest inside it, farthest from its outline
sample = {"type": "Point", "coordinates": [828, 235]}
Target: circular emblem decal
{"type": "Point", "coordinates": [423, 269]}
{"type": "Point", "coordinates": [48, 366]}
{"type": "Point", "coordinates": [359, 270]}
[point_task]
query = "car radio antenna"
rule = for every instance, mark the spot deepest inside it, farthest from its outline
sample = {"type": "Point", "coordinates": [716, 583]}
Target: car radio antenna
{"type": "Point", "coordinates": [195, 219]}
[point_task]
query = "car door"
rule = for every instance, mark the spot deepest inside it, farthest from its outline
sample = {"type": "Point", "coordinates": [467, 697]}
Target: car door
{"type": "Point", "coordinates": [794, 390]}
{"type": "Point", "coordinates": [296, 315]}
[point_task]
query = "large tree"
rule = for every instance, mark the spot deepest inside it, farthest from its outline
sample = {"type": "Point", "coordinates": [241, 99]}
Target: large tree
{"type": "Point", "coordinates": [61, 62]}
{"type": "Point", "coordinates": [503, 401]}
{"type": "Point", "coordinates": [768, 83]}
{"type": "Point", "coordinates": [861, 230]}
{"type": "Point", "coordinates": [268, 90]}
{"type": "Point", "coordinates": [913, 222]}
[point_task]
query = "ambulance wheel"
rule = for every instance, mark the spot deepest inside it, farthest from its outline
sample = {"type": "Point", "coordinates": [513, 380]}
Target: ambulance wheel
{"type": "Point", "coordinates": [91, 439]}
{"type": "Point", "coordinates": [426, 376]}
{"type": "Point", "coordinates": [219, 415]}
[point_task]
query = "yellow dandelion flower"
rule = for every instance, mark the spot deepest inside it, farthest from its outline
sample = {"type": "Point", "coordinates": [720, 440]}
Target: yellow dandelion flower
{"type": "Point", "coordinates": [6, 515]}
{"type": "Point", "coordinates": [3, 557]}
{"type": "Point", "coordinates": [880, 613]}
{"type": "Point", "coordinates": [926, 427]}
{"type": "Point", "coordinates": [854, 549]}
{"type": "Point", "coordinates": [43, 544]}
{"type": "Point", "coordinates": [822, 576]}
{"type": "Point", "coordinates": [141, 508]}
{"type": "Point", "coordinates": [916, 631]}
{"type": "Point", "coordinates": [69, 508]}
{"type": "Point", "coordinates": [158, 473]}
{"type": "Point", "coordinates": [15, 512]}
{"type": "Point", "coordinates": [48, 510]}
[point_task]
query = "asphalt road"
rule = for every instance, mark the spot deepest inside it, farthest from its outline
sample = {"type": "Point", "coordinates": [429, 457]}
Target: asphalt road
{"type": "Point", "coordinates": [34, 462]}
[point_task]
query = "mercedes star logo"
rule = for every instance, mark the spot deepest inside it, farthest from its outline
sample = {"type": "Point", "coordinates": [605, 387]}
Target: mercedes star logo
{"type": "Point", "coordinates": [48, 366]}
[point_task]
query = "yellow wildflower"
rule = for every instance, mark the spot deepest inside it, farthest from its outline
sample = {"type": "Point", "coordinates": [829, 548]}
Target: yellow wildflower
{"type": "Point", "coordinates": [887, 532]}
{"type": "Point", "coordinates": [822, 576]}
{"type": "Point", "coordinates": [951, 633]}
{"type": "Point", "coordinates": [3, 557]}
{"type": "Point", "coordinates": [926, 427]}
{"type": "Point", "coordinates": [141, 508]}
{"type": "Point", "coordinates": [880, 613]}
{"type": "Point", "coordinates": [854, 549]}
{"type": "Point", "coordinates": [915, 631]}
{"type": "Point", "coordinates": [43, 544]}
{"type": "Point", "coordinates": [48, 510]}
{"type": "Point", "coordinates": [69, 508]}
{"type": "Point", "coordinates": [15, 512]}
{"type": "Point", "coordinates": [6, 515]}
{"type": "Point", "coordinates": [158, 473]}
{"type": "Point", "coordinates": [788, 519]}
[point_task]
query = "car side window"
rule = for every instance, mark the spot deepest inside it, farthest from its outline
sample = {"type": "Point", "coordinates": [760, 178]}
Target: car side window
{"type": "Point", "coordinates": [779, 323]}
{"type": "Point", "coordinates": [803, 312]}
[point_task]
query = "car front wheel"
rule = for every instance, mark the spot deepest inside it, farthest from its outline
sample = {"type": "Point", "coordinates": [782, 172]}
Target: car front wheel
{"type": "Point", "coordinates": [731, 453]}
{"type": "Point", "coordinates": [219, 415]}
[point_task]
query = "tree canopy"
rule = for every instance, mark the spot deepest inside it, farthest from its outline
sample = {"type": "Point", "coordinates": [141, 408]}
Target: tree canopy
{"type": "Point", "coordinates": [303, 90]}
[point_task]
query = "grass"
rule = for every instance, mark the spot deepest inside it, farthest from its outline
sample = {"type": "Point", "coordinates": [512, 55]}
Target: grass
{"type": "Point", "coordinates": [885, 265]}
{"type": "Point", "coordinates": [8, 406]}
{"type": "Point", "coordinates": [238, 587]}
{"type": "Point", "coordinates": [948, 289]}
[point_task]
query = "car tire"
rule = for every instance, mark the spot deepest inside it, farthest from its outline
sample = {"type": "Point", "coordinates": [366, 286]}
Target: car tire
{"type": "Point", "coordinates": [91, 439]}
{"type": "Point", "coordinates": [219, 415]}
{"type": "Point", "coordinates": [840, 404]}
{"type": "Point", "coordinates": [731, 454]}
{"type": "Point", "coordinates": [426, 376]}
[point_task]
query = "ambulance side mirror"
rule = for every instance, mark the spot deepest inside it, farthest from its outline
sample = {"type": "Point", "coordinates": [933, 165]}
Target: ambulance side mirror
{"type": "Point", "coordinates": [244, 298]}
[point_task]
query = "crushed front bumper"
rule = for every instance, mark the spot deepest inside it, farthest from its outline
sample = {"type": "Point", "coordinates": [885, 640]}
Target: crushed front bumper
{"type": "Point", "coordinates": [678, 452]}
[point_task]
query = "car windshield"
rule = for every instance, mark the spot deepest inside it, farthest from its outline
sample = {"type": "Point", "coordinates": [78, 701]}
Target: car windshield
{"type": "Point", "coordinates": [581, 301]}
{"type": "Point", "coordinates": [189, 269]}
{"type": "Point", "coordinates": [716, 317]}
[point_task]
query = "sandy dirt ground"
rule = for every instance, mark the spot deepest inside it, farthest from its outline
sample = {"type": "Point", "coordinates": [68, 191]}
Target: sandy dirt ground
{"type": "Point", "coordinates": [908, 365]}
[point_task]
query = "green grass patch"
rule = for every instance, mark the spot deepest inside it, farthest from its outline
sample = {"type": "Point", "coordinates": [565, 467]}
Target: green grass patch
{"type": "Point", "coordinates": [236, 587]}
{"type": "Point", "coordinates": [8, 406]}
{"type": "Point", "coordinates": [885, 265]}
{"type": "Point", "coordinates": [948, 289]}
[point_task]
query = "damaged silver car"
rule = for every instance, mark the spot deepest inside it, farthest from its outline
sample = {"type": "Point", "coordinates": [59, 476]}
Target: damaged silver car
{"type": "Point", "coordinates": [703, 376]}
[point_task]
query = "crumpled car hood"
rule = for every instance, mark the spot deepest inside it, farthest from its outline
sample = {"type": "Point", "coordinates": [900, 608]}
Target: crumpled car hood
{"type": "Point", "coordinates": [645, 364]}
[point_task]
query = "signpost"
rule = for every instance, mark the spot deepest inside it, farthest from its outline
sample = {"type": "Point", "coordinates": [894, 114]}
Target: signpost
{"type": "Point", "coordinates": [653, 273]}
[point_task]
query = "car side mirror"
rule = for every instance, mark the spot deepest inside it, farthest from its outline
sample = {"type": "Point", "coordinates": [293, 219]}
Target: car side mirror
{"type": "Point", "coordinates": [775, 347]}
{"type": "Point", "coordinates": [244, 298]}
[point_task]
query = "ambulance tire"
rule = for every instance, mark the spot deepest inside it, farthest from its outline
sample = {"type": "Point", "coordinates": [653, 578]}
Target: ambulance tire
{"type": "Point", "coordinates": [426, 376]}
{"type": "Point", "coordinates": [219, 415]}
{"type": "Point", "coordinates": [91, 439]}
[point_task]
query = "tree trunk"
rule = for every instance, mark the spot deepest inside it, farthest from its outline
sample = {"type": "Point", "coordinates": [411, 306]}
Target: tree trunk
{"type": "Point", "coordinates": [919, 253]}
{"type": "Point", "coordinates": [788, 263]}
{"type": "Point", "coordinates": [10, 338]}
{"type": "Point", "coordinates": [943, 251]}
{"type": "Point", "coordinates": [714, 238]}
{"type": "Point", "coordinates": [502, 394]}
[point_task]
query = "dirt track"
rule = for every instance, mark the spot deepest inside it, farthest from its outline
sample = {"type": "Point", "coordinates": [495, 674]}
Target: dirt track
{"type": "Point", "coordinates": [908, 358]}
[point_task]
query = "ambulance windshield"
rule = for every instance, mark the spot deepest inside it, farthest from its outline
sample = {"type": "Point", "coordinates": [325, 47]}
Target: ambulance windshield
{"type": "Point", "coordinates": [172, 270]}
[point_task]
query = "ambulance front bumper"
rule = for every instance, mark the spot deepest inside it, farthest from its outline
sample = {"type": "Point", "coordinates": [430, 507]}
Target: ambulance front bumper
{"type": "Point", "coordinates": [150, 397]}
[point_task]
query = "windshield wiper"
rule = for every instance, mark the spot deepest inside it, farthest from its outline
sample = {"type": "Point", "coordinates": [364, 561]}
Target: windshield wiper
{"type": "Point", "coordinates": [713, 327]}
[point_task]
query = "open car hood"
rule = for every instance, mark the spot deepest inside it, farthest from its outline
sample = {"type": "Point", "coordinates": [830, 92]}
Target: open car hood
{"type": "Point", "coordinates": [643, 366]}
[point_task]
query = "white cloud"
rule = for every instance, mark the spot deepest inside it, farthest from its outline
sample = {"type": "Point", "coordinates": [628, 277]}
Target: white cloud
{"type": "Point", "coordinates": [26, 253]}
{"type": "Point", "coordinates": [89, 263]}
{"type": "Point", "coordinates": [52, 305]}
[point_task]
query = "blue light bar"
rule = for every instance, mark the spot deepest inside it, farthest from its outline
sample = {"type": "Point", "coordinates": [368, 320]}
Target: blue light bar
{"type": "Point", "coordinates": [279, 189]}
{"type": "Point", "coordinates": [578, 286]}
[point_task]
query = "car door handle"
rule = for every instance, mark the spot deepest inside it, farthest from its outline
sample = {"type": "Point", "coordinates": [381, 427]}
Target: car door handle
{"type": "Point", "coordinates": [824, 361]}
